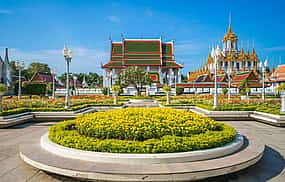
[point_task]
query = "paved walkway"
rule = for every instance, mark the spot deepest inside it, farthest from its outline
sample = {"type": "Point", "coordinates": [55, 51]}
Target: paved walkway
{"type": "Point", "coordinates": [270, 168]}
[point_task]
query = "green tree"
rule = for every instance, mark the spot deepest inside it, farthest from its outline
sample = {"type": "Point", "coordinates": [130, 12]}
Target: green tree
{"type": "Point", "coordinates": [37, 67]}
{"type": "Point", "coordinates": [136, 77]}
{"type": "Point", "coordinates": [244, 87]}
{"type": "Point", "coordinates": [105, 90]}
{"type": "Point", "coordinates": [179, 90]}
{"type": "Point", "coordinates": [281, 88]}
{"type": "Point", "coordinates": [3, 90]}
{"type": "Point", "coordinates": [225, 91]}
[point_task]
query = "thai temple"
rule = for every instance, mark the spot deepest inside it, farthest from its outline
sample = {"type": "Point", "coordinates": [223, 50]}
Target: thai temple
{"type": "Point", "coordinates": [239, 63]}
{"type": "Point", "coordinates": [232, 58]}
{"type": "Point", "coordinates": [152, 55]}
{"type": "Point", "coordinates": [5, 72]}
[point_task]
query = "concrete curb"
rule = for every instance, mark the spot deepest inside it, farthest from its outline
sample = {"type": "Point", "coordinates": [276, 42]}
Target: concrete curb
{"type": "Point", "coordinates": [122, 158]}
{"type": "Point", "coordinates": [34, 155]}
{"type": "Point", "coordinates": [15, 119]}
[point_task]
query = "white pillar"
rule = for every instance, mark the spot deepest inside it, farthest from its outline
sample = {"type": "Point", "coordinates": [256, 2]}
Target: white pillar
{"type": "Point", "coordinates": [179, 75]}
{"type": "Point", "coordinates": [114, 76]}
{"type": "Point", "coordinates": [160, 75]}
{"type": "Point", "coordinates": [147, 69]}
{"type": "Point", "coordinates": [170, 77]}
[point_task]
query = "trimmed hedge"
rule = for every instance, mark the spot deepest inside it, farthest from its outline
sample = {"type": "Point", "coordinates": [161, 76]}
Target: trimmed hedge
{"type": "Point", "coordinates": [173, 136]}
{"type": "Point", "coordinates": [52, 109]}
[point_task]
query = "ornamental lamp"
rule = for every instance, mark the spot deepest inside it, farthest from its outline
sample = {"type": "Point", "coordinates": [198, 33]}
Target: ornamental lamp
{"type": "Point", "coordinates": [67, 53]}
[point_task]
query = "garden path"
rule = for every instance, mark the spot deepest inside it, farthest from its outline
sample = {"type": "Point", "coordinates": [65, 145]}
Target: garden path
{"type": "Point", "coordinates": [269, 168]}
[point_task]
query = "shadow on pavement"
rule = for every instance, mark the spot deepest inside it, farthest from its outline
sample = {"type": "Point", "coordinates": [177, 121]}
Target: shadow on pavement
{"type": "Point", "coordinates": [269, 166]}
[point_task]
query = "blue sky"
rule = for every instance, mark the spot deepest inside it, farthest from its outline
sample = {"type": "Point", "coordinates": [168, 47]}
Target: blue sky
{"type": "Point", "coordinates": [38, 29]}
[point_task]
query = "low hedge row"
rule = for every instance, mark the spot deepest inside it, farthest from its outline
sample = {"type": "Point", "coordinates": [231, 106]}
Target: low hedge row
{"type": "Point", "coordinates": [51, 109]}
{"type": "Point", "coordinates": [65, 134]}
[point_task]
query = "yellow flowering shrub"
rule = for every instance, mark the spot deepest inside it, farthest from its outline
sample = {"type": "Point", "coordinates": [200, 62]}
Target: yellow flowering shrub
{"type": "Point", "coordinates": [142, 130]}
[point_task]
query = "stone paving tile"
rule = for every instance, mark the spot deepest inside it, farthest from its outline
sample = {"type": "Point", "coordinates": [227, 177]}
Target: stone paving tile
{"type": "Point", "coordinates": [269, 168]}
{"type": "Point", "coordinates": [7, 165]}
{"type": "Point", "coordinates": [22, 172]}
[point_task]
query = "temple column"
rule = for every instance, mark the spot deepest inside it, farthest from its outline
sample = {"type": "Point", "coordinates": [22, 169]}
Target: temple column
{"type": "Point", "coordinates": [113, 76]}
{"type": "Point", "coordinates": [147, 69]}
{"type": "Point", "coordinates": [160, 75]}
{"type": "Point", "coordinates": [179, 75]}
{"type": "Point", "coordinates": [170, 76]}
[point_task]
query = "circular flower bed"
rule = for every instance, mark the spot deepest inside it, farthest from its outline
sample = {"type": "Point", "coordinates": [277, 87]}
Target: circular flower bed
{"type": "Point", "coordinates": [156, 130]}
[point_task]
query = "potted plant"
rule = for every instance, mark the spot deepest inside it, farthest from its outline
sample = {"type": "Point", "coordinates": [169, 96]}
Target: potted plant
{"type": "Point", "coordinates": [167, 90]}
{"type": "Point", "coordinates": [116, 90]}
{"type": "Point", "coordinates": [3, 90]}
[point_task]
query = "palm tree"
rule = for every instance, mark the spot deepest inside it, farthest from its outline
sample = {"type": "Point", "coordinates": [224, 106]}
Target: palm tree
{"type": "Point", "coordinates": [116, 90]}
{"type": "Point", "coordinates": [3, 90]}
{"type": "Point", "coordinates": [167, 90]}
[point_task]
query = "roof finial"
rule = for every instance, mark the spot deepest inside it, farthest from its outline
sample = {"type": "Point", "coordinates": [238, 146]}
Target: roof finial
{"type": "Point", "coordinates": [230, 22]}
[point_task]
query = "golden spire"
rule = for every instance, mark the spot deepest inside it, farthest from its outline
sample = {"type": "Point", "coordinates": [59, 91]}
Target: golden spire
{"type": "Point", "coordinates": [230, 35]}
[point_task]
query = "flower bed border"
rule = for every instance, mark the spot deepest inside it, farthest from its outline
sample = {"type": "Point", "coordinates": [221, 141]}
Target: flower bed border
{"type": "Point", "coordinates": [127, 158]}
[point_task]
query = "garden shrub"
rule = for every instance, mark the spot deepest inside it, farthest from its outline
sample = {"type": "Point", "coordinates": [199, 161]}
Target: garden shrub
{"type": "Point", "coordinates": [35, 89]}
{"type": "Point", "coordinates": [136, 130]}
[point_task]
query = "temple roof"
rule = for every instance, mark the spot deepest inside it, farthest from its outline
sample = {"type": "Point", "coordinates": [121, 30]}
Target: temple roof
{"type": "Point", "coordinates": [230, 35]}
{"type": "Point", "coordinates": [42, 77]}
{"type": "Point", "coordinates": [278, 75]}
{"type": "Point", "coordinates": [132, 52]}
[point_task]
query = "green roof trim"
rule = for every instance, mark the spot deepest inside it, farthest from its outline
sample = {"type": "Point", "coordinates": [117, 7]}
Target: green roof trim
{"type": "Point", "coordinates": [116, 63]}
{"type": "Point", "coordinates": [170, 64]}
{"type": "Point", "coordinates": [141, 61]}
{"type": "Point", "coordinates": [166, 48]}
{"type": "Point", "coordinates": [117, 49]}
{"type": "Point", "coordinates": [156, 56]}
{"type": "Point", "coordinates": [143, 46]}
{"type": "Point", "coordinates": [243, 73]}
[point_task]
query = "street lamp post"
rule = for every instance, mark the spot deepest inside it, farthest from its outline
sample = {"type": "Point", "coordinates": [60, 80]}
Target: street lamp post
{"type": "Point", "coordinates": [68, 56]}
{"type": "Point", "coordinates": [175, 84]}
{"type": "Point", "coordinates": [20, 65]}
{"type": "Point", "coordinates": [229, 84]}
{"type": "Point", "coordinates": [215, 54]}
{"type": "Point", "coordinates": [53, 83]}
{"type": "Point", "coordinates": [74, 83]}
{"type": "Point", "coordinates": [262, 69]}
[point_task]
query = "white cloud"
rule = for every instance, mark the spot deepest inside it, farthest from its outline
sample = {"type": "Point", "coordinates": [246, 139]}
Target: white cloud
{"type": "Point", "coordinates": [276, 48]}
{"type": "Point", "coordinates": [114, 19]}
{"type": "Point", "coordinates": [84, 59]}
{"type": "Point", "coordinates": [5, 11]}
